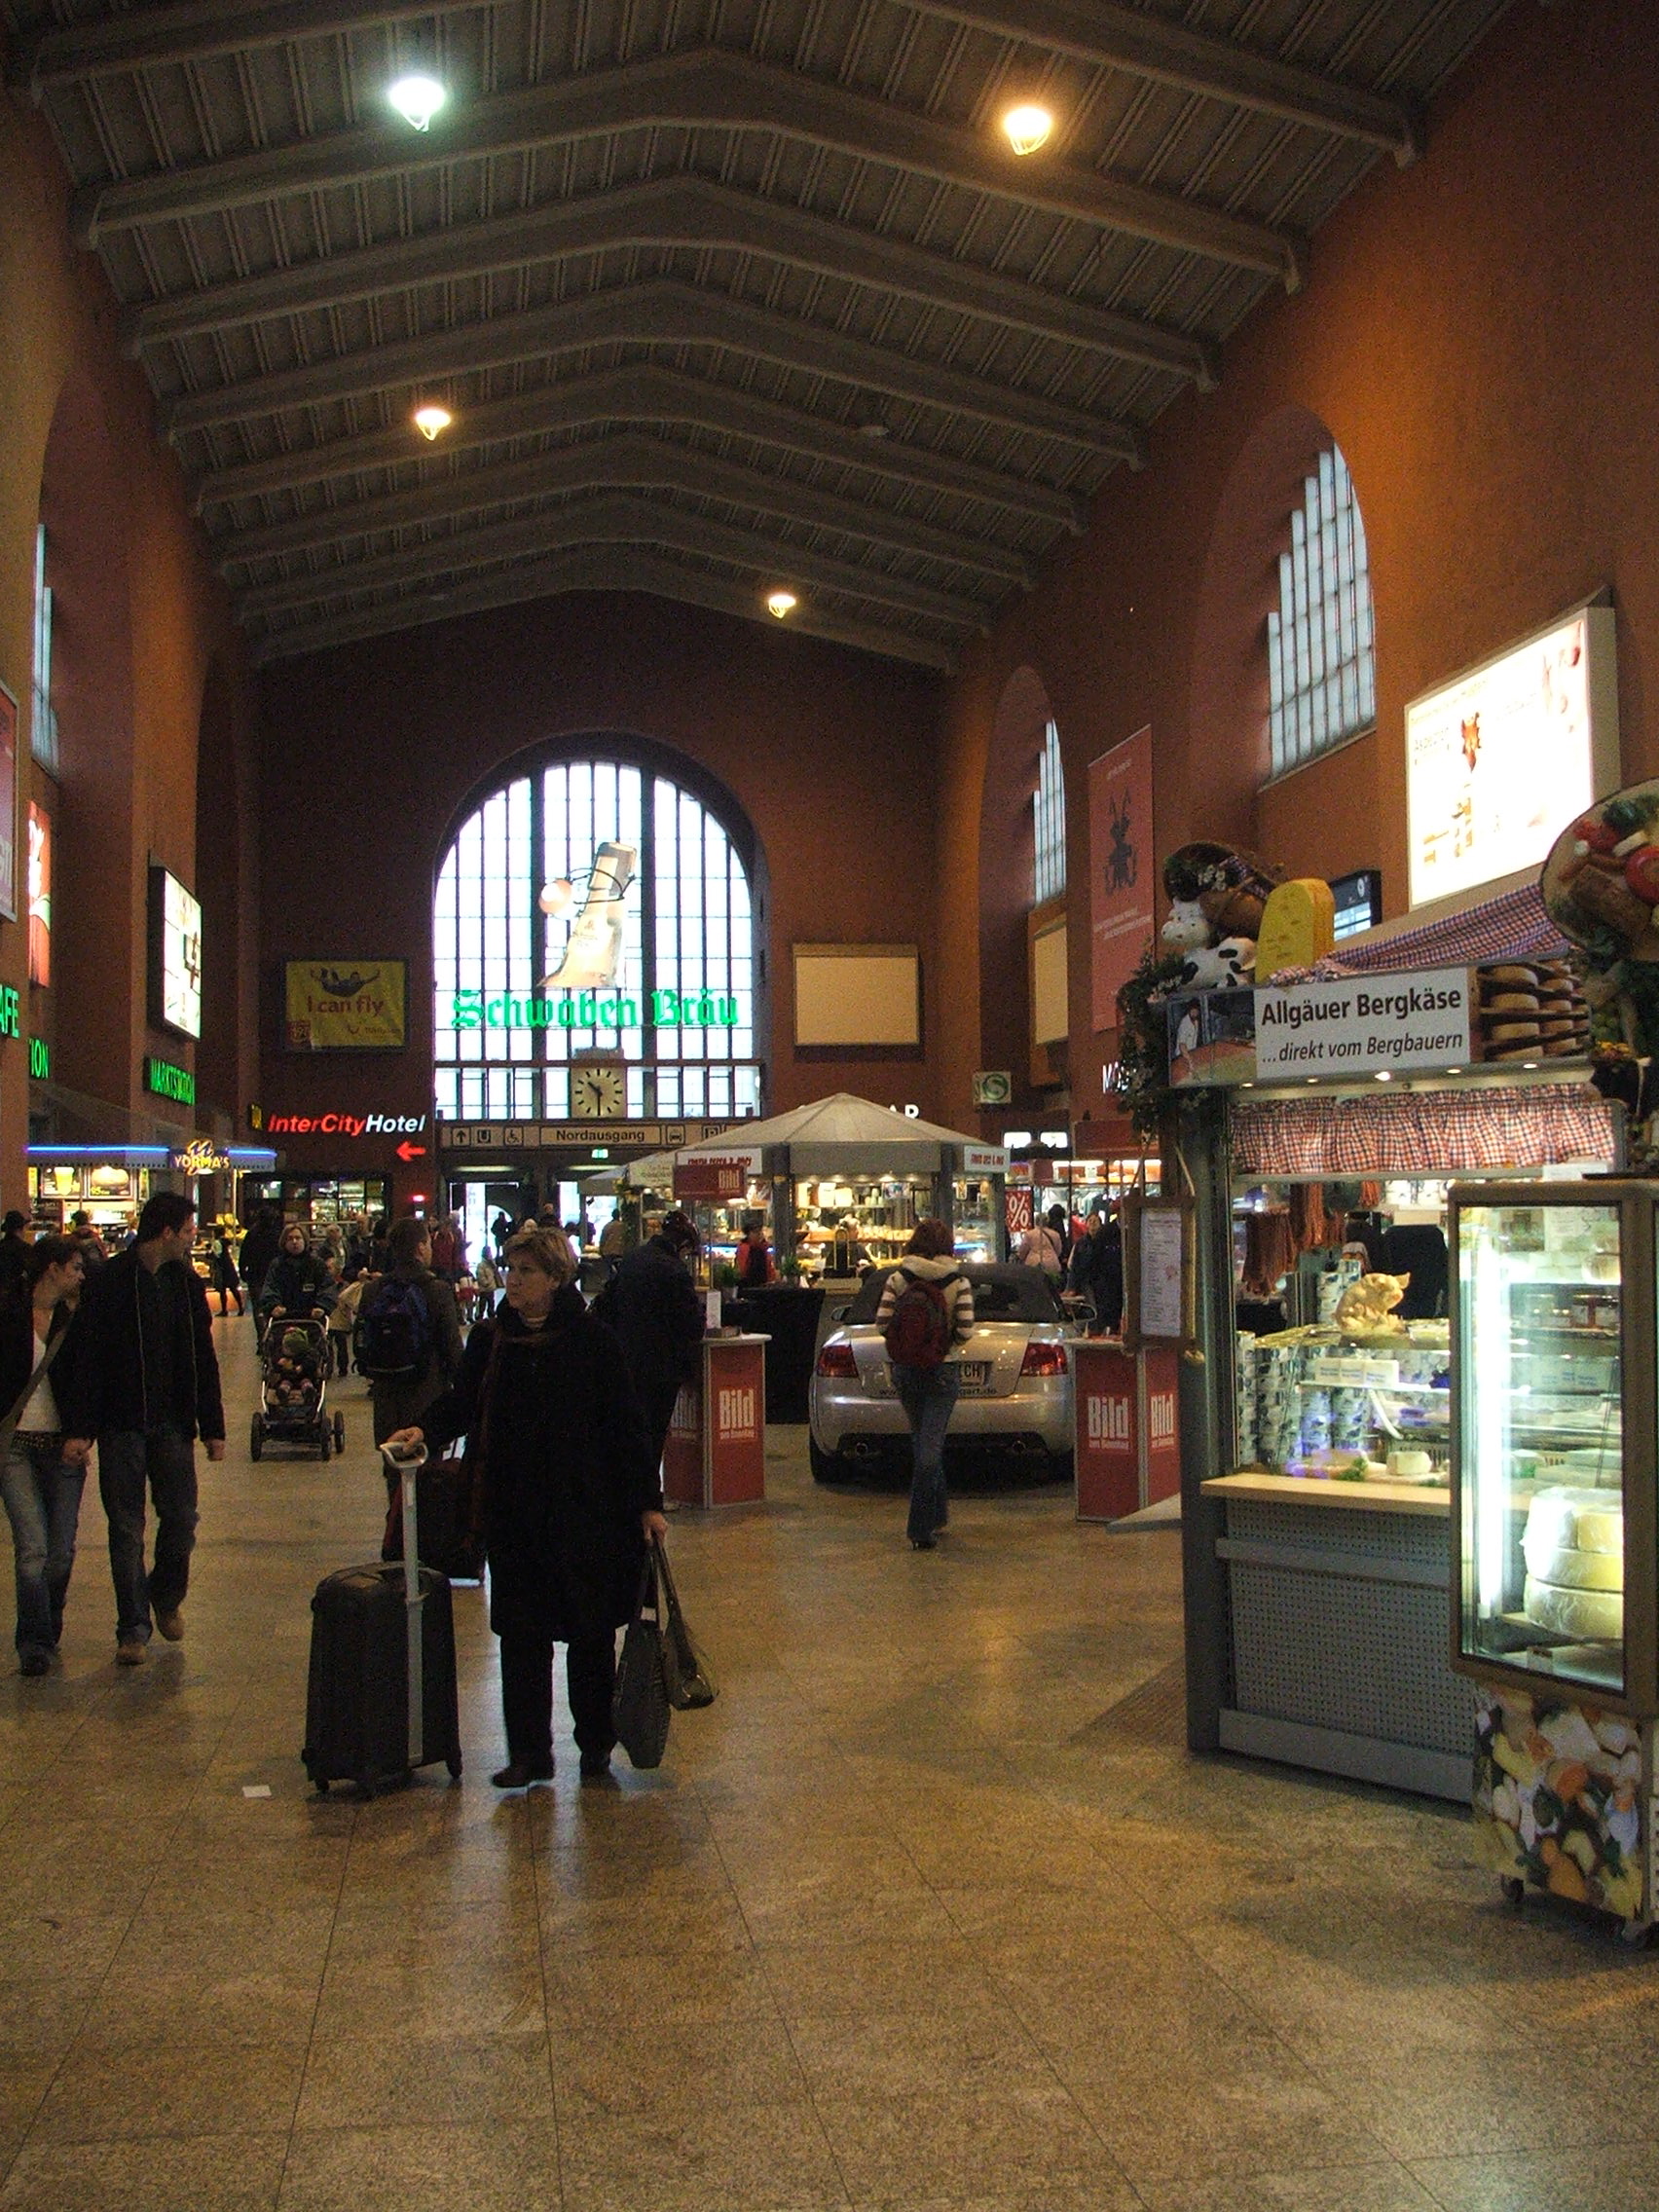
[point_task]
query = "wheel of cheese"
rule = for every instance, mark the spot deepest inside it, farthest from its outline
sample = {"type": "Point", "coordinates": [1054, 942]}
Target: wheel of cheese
{"type": "Point", "coordinates": [1513, 1032]}
{"type": "Point", "coordinates": [1510, 972]}
{"type": "Point", "coordinates": [1570, 1569]}
{"type": "Point", "coordinates": [1590, 1616]}
{"type": "Point", "coordinates": [1511, 1002]}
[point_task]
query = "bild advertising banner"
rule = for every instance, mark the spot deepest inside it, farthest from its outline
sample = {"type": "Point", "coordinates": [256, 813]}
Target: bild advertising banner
{"type": "Point", "coordinates": [1122, 874]}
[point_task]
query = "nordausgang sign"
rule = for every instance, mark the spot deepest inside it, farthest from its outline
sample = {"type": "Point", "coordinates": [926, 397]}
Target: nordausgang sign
{"type": "Point", "coordinates": [588, 1010]}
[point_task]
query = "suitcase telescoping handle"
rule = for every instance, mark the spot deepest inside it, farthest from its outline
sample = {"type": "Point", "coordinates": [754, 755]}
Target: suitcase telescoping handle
{"type": "Point", "coordinates": [406, 1466]}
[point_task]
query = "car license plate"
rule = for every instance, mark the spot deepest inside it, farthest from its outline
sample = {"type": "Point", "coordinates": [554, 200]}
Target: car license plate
{"type": "Point", "coordinates": [975, 1375]}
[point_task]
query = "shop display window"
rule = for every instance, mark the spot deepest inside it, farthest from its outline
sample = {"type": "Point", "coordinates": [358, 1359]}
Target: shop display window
{"type": "Point", "coordinates": [1542, 1442]}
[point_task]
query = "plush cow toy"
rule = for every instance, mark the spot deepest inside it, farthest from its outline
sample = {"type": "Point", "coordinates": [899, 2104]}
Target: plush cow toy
{"type": "Point", "coordinates": [1216, 898]}
{"type": "Point", "coordinates": [1228, 966]}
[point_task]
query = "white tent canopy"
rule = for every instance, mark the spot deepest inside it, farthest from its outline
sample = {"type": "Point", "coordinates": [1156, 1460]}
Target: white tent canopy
{"type": "Point", "coordinates": [843, 1135]}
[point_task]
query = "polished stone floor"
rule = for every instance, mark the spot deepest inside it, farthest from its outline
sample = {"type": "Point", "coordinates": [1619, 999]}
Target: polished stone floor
{"type": "Point", "coordinates": [930, 1912]}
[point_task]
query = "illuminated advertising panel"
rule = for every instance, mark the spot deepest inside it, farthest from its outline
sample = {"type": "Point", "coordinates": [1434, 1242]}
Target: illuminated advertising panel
{"type": "Point", "coordinates": [40, 897]}
{"type": "Point", "coordinates": [1498, 761]}
{"type": "Point", "coordinates": [175, 954]}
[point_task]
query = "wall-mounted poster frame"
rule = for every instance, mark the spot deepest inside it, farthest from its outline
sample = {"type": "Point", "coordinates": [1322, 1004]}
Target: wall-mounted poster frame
{"type": "Point", "coordinates": [8, 804]}
{"type": "Point", "coordinates": [1157, 1271]}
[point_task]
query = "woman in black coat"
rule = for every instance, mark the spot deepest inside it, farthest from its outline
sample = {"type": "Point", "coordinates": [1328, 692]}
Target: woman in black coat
{"type": "Point", "coordinates": [41, 1478]}
{"type": "Point", "coordinates": [570, 1499]}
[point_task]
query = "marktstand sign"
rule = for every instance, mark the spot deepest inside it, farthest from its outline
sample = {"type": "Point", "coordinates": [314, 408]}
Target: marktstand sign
{"type": "Point", "coordinates": [1362, 1025]}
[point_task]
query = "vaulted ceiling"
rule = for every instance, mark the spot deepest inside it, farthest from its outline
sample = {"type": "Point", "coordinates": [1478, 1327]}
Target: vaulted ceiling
{"type": "Point", "coordinates": [722, 294]}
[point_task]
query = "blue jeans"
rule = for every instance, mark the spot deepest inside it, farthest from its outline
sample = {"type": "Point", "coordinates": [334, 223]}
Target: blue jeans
{"type": "Point", "coordinates": [43, 1503]}
{"type": "Point", "coordinates": [928, 1395]}
{"type": "Point", "coordinates": [163, 1459]}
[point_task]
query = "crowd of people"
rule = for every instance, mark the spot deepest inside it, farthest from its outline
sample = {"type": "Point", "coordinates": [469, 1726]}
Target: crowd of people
{"type": "Point", "coordinates": [564, 1404]}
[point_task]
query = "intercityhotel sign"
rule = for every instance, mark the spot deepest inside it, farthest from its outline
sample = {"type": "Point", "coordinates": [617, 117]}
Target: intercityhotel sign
{"type": "Point", "coordinates": [1364, 1025]}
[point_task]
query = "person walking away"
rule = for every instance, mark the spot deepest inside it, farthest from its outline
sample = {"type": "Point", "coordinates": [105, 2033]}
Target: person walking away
{"type": "Point", "coordinates": [754, 1267]}
{"type": "Point", "coordinates": [144, 1385]}
{"type": "Point", "coordinates": [446, 1249]}
{"type": "Point", "coordinates": [613, 1239]}
{"type": "Point", "coordinates": [227, 1276]}
{"type": "Point", "coordinates": [651, 1303]}
{"type": "Point", "coordinates": [15, 1249]}
{"type": "Point", "coordinates": [296, 1285]}
{"type": "Point", "coordinates": [342, 1320]}
{"type": "Point", "coordinates": [1043, 1245]}
{"type": "Point", "coordinates": [1097, 1271]}
{"type": "Point", "coordinates": [260, 1247]}
{"type": "Point", "coordinates": [41, 1477]}
{"type": "Point", "coordinates": [410, 1347]}
{"type": "Point", "coordinates": [571, 1498]}
{"type": "Point", "coordinates": [91, 1247]}
{"type": "Point", "coordinates": [925, 1310]}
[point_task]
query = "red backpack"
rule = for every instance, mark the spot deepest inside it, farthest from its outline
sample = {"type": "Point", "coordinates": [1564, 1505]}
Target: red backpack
{"type": "Point", "coordinates": [921, 1328]}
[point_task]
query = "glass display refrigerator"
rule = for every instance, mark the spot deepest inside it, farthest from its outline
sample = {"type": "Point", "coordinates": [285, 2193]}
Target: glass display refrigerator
{"type": "Point", "coordinates": [1554, 1476]}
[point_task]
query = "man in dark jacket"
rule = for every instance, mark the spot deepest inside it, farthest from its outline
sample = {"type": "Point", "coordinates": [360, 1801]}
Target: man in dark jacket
{"type": "Point", "coordinates": [259, 1249]}
{"type": "Point", "coordinates": [15, 1249]}
{"type": "Point", "coordinates": [652, 1304]}
{"type": "Point", "coordinates": [1097, 1271]}
{"type": "Point", "coordinates": [145, 1384]}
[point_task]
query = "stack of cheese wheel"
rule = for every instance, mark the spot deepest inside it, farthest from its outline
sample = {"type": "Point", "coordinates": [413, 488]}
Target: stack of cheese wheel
{"type": "Point", "coordinates": [1533, 1010]}
{"type": "Point", "coordinates": [1574, 1546]}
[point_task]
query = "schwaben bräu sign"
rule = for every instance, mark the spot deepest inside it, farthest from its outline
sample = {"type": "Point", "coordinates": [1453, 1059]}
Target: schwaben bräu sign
{"type": "Point", "coordinates": [1363, 1024]}
{"type": "Point", "coordinates": [588, 1010]}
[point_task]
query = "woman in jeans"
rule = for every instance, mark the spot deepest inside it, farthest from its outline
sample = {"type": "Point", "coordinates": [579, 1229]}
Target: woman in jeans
{"type": "Point", "coordinates": [41, 1481]}
{"type": "Point", "coordinates": [928, 1386]}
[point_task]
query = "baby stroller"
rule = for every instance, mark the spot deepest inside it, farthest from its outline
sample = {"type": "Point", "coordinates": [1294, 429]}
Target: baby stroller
{"type": "Point", "coordinates": [293, 1390]}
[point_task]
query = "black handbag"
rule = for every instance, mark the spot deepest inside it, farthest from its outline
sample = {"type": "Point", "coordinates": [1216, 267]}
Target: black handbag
{"type": "Point", "coordinates": [640, 1710]}
{"type": "Point", "coordinates": [686, 1674]}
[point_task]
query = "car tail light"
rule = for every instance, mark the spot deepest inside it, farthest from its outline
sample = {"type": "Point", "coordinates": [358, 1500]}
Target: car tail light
{"type": "Point", "coordinates": [837, 1362]}
{"type": "Point", "coordinates": [1043, 1358]}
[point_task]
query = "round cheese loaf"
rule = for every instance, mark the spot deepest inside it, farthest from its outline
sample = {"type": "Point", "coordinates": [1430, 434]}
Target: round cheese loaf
{"type": "Point", "coordinates": [1511, 971]}
{"type": "Point", "coordinates": [1511, 1002]}
{"type": "Point", "coordinates": [1513, 1032]}
{"type": "Point", "coordinates": [1587, 1617]}
{"type": "Point", "coordinates": [1572, 1570]}
{"type": "Point", "coordinates": [1561, 1519]}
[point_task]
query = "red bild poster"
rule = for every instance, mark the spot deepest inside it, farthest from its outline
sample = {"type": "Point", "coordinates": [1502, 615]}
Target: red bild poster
{"type": "Point", "coordinates": [1122, 871]}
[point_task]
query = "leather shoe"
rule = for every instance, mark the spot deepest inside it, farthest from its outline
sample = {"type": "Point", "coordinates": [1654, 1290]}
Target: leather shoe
{"type": "Point", "coordinates": [34, 1663]}
{"type": "Point", "coordinates": [513, 1776]}
{"type": "Point", "coordinates": [131, 1654]}
{"type": "Point", "coordinates": [594, 1768]}
{"type": "Point", "coordinates": [172, 1625]}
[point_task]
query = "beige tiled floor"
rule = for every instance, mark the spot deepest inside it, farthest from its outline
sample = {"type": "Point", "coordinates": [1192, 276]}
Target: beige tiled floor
{"type": "Point", "coordinates": [930, 1913]}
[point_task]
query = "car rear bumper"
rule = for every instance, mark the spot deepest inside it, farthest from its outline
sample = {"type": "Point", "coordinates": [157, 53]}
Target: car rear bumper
{"type": "Point", "coordinates": [1038, 1419]}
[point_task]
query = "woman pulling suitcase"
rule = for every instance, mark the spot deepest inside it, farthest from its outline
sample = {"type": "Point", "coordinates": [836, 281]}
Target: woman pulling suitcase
{"type": "Point", "coordinates": [571, 1498]}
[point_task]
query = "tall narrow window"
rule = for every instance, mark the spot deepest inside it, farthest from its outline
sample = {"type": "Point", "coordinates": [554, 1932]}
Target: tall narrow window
{"type": "Point", "coordinates": [1321, 667]}
{"type": "Point", "coordinates": [1049, 876]}
{"type": "Point", "coordinates": [43, 722]}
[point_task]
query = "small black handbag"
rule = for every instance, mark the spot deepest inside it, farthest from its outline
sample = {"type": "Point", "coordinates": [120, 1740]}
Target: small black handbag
{"type": "Point", "coordinates": [640, 1710]}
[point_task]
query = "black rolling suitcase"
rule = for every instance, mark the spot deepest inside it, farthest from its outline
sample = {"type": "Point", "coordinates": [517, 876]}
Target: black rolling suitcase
{"type": "Point", "coordinates": [370, 1650]}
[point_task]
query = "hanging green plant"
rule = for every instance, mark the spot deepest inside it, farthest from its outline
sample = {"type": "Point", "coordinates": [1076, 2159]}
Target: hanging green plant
{"type": "Point", "coordinates": [1143, 1040]}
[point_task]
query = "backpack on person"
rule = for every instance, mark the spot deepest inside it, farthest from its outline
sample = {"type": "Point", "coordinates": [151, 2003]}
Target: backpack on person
{"type": "Point", "coordinates": [396, 1332]}
{"type": "Point", "coordinates": [921, 1327]}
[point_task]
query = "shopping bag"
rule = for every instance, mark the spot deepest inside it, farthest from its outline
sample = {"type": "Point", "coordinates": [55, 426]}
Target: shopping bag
{"type": "Point", "coordinates": [640, 1710]}
{"type": "Point", "coordinates": [686, 1674]}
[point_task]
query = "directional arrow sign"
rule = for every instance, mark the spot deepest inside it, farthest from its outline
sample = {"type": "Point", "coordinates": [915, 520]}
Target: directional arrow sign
{"type": "Point", "coordinates": [408, 1151]}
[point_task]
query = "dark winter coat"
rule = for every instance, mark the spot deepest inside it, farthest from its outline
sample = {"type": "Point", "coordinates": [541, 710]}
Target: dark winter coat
{"type": "Point", "coordinates": [651, 1303]}
{"type": "Point", "coordinates": [260, 1247]}
{"type": "Point", "coordinates": [107, 1390]}
{"type": "Point", "coordinates": [1097, 1274]}
{"type": "Point", "coordinates": [18, 1350]}
{"type": "Point", "coordinates": [554, 1419]}
{"type": "Point", "coordinates": [296, 1281]}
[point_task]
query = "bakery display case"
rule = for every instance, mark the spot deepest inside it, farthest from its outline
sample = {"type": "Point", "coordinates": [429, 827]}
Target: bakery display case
{"type": "Point", "coordinates": [1553, 1459]}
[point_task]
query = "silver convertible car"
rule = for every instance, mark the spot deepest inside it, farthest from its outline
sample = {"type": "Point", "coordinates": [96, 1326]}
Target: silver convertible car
{"type": "Point", "coordinates": [1016, 1381]}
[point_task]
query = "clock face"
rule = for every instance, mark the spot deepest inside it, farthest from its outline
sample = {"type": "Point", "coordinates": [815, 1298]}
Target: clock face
{"type": "Point", "coordinates": [597, 1092]}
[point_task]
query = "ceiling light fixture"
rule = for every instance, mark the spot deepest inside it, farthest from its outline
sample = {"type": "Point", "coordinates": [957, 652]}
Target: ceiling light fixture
{"type": "Point", "coordinates": [1026, 127]}
{"type": "Point", "coordinates": [416, 98]}
{"type": "Point", "coordinates": [433, 419]}
{"type": "Point", "coordinates": [780, 603]}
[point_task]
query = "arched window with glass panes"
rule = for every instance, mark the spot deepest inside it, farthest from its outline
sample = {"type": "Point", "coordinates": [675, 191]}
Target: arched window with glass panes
{"type": "Point", "coordinates": [594, 914]}
{"type": "Point", "coordinates": [1321, 662]}
{"type": "Point", "coordinates": [1048, 822]}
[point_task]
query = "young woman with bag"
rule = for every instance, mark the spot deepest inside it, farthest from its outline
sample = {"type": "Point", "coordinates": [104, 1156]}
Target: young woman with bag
{"type": "Point", "coordinates": [40, 1481]}
{"type": "Point", "coordinates": [571, 1498]}
{"type": "Point", "coordinates": [925, 1311]}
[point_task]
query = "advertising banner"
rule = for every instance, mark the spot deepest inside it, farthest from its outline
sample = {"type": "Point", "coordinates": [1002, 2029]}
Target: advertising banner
{"type": "Point", "coordinates": [346, 1005]}
{"type": "Point", "coordinates": [40, 897]}
{"type": "Point", "coordinates": [1121, 872]}
{"type": "Point", "coordinates": [1363, 1024]}
{"type": "Point", "coordinates": [1499, 760]}
{"type": "Point", "coordinates": [7, 805]}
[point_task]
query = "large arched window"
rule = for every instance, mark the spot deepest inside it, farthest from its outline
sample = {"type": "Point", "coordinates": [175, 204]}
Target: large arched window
{"type": "Point", "coordinates": [593, 921]}
{"type": "Point", "coordinates": [1321, 662]}
{"type": "Point", "coordinates": [1048, 822]}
